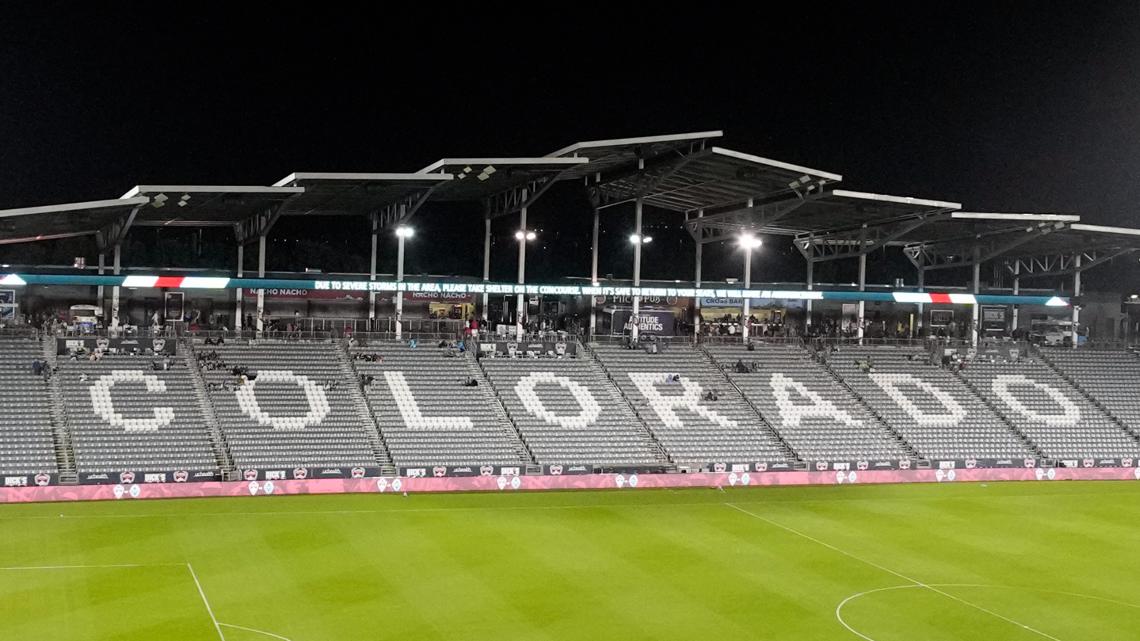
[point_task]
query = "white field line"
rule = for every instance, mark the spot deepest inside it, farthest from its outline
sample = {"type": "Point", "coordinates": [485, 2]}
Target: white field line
{"type": "Point", "coordinates": [893, 572]}
{"type": "Point", "coordinates": [255, 631]}
{"type": "Point", "coordinates": [217, 626]}
{"type": "Point", "coordinates": [91, 567]}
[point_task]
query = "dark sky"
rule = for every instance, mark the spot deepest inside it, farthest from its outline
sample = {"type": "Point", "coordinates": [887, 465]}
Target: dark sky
{"type": "Point", "coordinates": [1018, 107]}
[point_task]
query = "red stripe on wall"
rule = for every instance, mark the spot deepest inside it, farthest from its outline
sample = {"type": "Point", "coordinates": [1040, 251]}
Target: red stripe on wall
{"type": "Point", "coordinates": [940, 298]}
{"type": "Point", "coordinates": [169, 281]}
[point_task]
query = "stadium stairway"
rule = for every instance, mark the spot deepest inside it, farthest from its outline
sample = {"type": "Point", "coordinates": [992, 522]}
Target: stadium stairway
{"type": "Point", "coordinates": [500, 409]}
{"type": "Point", "coordinates": [939, 417]}
{"type": "Point", "coordinates": [1030, 444]}
{"type": "Point", "coordinates": [217, 438]}
{"type": "Point", "coordinates": [61, 429]}
{"type": "Point", "coordinates": [814, 430]}
{"type": "Point", "coordinates": [27, 439]}
{"type": "Point", "coordinates": [578, 419]}
{"type": "Point", "coordinates": [691, 430]}
{"type": "Point", "coordinates": [360, 402]}
{"type": "Point", "coordinates": [1081, 430]}
{"type": "Point", "coordinates": [1109, 380]}
{"type": "Point", "coordinates": [427, 416]}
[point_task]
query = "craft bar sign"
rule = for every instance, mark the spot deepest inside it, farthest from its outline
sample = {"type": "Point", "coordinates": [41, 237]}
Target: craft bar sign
{"type": "Point", "coordinates": [66, 345]}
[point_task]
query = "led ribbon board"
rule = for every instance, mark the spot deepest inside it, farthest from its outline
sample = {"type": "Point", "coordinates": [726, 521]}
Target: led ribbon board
{"type": "Point", "coordinates": [442, 287]}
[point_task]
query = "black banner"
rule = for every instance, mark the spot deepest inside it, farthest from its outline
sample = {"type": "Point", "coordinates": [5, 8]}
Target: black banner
{"type": "Point", "coordinates": [134, 477]}
{"type": "Point", "coordinates": [30, 480]}
{"type": "Point", "coordinates": [754, 466]}
{"type": "Point", "coordinates": [302, 473]}
{"type": "Point", "coordinates": [565, 470]}
{"type": "Point", "coordinates": [65, 345]}
{"type": "Point", "coordinates": [542, 348]}
{"type": "Point", "coordinates": [440, 471]}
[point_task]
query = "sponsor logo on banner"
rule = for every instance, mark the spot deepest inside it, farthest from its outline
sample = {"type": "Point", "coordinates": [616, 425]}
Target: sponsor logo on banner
{"type": "Point", "coordinates": [158, 344]}
{"type": "Point", "coordinates": [556, 470]}
{"type": "Point", "coordinates": [732, 478]}
{"type": "Point", "coordinates": [516, 482]}
{"type": "Point", "coordinates": [250, 475]}
{"type": "Point", "coordinates": [205, 475]}
{"type": "Point", "coordinates": [1137, 474]}
{"type": "Point", "coordinates": [126, 478]}
{"type": "Point", "coordinates": [439, 472]}
{"type": "Point", "coordinates": [274, 475]}
{"type": "Point", "coordinates": [416, 472]}
{"type": "Point", "coordinates": [1126, 462]}
{"type": "Point", "coordinates": [1087, 462]}
{"type": "Point", "coordinates": [334, 472]}
{"type": "Point", "coordinates": [501, 482]}
{"type": "Point", "coordinates": [971, 463]}
{"type": "Point", "coordinates": [119, 491]}
{"type": "Point", "coordinates": [154, 477]}
{"type": "Point", "coordinates": [861, 465]}
{"type": "Point", "coordinates": [358, 472]}
{"type": "Point", "coordinates": [619, 481]}
{"type": "Point", "coordinates": [739, 467]}
{"type": "Point", "coordinates": [181, 477]}
{"type": "Point", "coordinates": [43, 479]}
{"type": "Point", "coordinates": [760, 467]}
{"type": "Point", "coordinates": [841, 466]}
{"type": "Point", "coordinates": [1030, 463]}
{"type": "Point", "coordinates": [947, 465]}
{"type": "Point", "coordinates": [904, 464]}
{"type": "Point", "coordinates": [486, 470]}
{"type": "Point", "coordinates": [464, 470]}
{"type": "Point", "coordinates": [719, 467]}
{"type": "Point", "coordinates": [578, 469]}
{"type": "Point", "coordinates": [821, 466]}
{"type": "Point", "coordinates": [510, 471]}
{"type": "Point", "coordinates": [15, 481]}
{"type": "Point", "coordinates": [300, 473]}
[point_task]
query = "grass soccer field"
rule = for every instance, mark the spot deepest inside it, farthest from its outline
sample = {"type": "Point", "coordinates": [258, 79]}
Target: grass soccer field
{"type": "Point", "coordinates": [1009, 561]}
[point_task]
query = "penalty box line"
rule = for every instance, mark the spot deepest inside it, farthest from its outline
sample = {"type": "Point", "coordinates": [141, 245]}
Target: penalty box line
{"type": "Point", "coordinates": [892, 572]}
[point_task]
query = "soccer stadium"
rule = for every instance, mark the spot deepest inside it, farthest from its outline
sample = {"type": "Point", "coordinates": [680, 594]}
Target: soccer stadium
{"type": "Point", "coordinates": [200, 454]}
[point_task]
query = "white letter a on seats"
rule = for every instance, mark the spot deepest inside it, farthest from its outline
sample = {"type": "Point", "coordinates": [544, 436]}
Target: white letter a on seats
{"type": "Point", "coordinates": [792, 414]}
{"type": "Point", "coordinates": [410, 409]}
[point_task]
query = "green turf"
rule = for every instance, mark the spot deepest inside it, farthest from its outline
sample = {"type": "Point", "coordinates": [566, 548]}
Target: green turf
{"type": "Point", "coordinates": [1060, 558]}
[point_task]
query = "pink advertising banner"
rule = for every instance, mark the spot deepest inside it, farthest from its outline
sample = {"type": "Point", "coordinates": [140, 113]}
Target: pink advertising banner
{"type": "Point", "coordinates": [622, 482]}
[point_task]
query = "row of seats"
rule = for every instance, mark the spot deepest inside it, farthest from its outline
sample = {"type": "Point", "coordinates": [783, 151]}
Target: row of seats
{"type": "Point", "coordinates": [931, 408]}
{"type": "Point", "coordinates": [427, 414]}
{"type": "Point", "coordinates": [26, 443]}
{"type": "Point", "coordinates": [817, 417]}
{"type": "Point", "coordinates": [692, 430]}
{"type": "Point", "coordinates": [641, 409]}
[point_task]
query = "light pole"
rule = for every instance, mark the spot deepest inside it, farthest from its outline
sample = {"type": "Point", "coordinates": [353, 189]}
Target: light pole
{"type": "Point", "coordinates": [402, 233]}
{"type": "Point", "coordinates": [523, 236]}
{"type": "Point", "coordinates": [637, 240]}
{"type": "Point", "coordinates": [747, 242]}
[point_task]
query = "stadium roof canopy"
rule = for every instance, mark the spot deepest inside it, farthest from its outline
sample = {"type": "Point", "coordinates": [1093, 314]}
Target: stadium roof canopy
{"type": "Point", "coordinates": [623, 153]}
{"type": "Point", "coordinates": [70, 220]}
{"type": "Point", "coordinates": [388, 197]}
{"type": "Point", "coordinates": [1029, 244]}
{"type": "Point", "coordinates": [504, 185]}
{"type": "Point", "coordinates": [844, 215]}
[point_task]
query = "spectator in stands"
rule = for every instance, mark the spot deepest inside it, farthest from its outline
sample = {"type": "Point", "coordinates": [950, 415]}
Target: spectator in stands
{"type": "Point", "coordinates": [471, 382]}
{"type": "Point", "coordinates": [366, 380]}
{"type": "Point", "coordinates": [83, 377]}
{"type": "Point", "coordinates": [740, 367]}
{"type": "Point", "coordinates": [412, 343]}
{"type": "Point", "coordinates": [37, 367]}
{"type": "Point", "coordinates": [711, 395]}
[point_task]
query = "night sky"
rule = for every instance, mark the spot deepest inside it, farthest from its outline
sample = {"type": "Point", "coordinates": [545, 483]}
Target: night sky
{"type": "Point", "coordinates": [1026, 107]}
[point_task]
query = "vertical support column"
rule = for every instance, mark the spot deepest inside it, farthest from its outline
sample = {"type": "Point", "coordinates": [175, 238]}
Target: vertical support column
{"type": "Point", "coordinates": [99, 290]}
{"type": "Point", "coordinates": [399, 281]}
{"type": "Point", "coordinates": [976, 318]}
{"type": "Point", "coordinates": [747, 285]}
{"type": "Point", "coordinates": [372, 269]}
{"type": "Point", "coordinates": [921, 288]}
{"type": "Point", "coordinates": [486, 264]}
{"type": "Point", "coordinates": [1016, 291]}
{"type": "Point", "coordinates": [810, 286]}
{"type": "Point", "coordinates": [1076, 292]}
{"type": "Point", "coordinates": [697, 280]}
{"type": "Point", "coordinates": [520, 301]}
{"type": "Point", "coordinates": [260, 290]}
{"type": "Point", "coordinates": [115, 290]}
{"type": "Point", "coordinates": [594, 274]}
{"type": "Point", "coordinates": [862, 288]}
{"type": "Point", "coordinates": [238, 303]}
{"type": "Point", "coordinates": [637, 207]}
